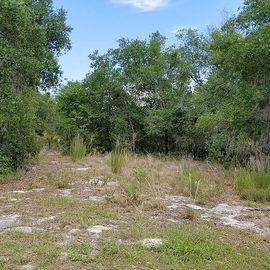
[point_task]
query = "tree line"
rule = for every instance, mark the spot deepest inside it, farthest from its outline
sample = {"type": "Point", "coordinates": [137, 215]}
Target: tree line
{"type": "Point", "coordinates": [207, 96]}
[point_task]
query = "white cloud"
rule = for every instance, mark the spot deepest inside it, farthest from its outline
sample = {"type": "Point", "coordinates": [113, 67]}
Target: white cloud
{"type": "Point", "coordinates": [143, 5]}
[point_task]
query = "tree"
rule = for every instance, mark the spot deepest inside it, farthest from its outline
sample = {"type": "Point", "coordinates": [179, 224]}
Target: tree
{"type": "Point", "coordinates": [32, 36]}
{"type": "Point", "coordinates": [236, 96]}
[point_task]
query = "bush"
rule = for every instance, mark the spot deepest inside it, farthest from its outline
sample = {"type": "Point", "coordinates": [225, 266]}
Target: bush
{"type": "Point", "coordinates": [18, 141]}
{"type": "Point", "coordinates": [5, 165]}
{"type": "Point", "coordinates": [77, 148]}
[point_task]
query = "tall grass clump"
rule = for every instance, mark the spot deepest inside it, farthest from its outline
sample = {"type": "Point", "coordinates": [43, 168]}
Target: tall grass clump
{"type": "Point", "coordinates": [253, 185]}
{"type": "Point", "coordinates": [197, 183]}
{"type": "Point", "coordinates": [118, 158]}
{"type": "Point", "coordinates": [130, 191]}
{"type": "Point", "coordinates": [77, 148]}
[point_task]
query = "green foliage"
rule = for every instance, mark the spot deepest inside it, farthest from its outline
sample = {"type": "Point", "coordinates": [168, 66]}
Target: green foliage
{"type": "Point", "coordinates": [206, 96]}
{"type": "Point", "coordinates": [5, 165]}
{"type": "Point", "coordinates": [32, 36]}
{"type": "Point", "coordinates": [180, 247]}
{"type": "Point", "coordinates": [254, 186]}
{"type": "Point", "coordinates": [80, 252]}
{"type": "Point", "coordinates": [136, 94]}
{"type": "Point", "coordinates": [117, 160]}
{"type": "Point", "coordinates": [194, 182]}
{"type": "Point", "coordinates": [131, 191]}
{"type": "Point", "coordinates": [233, 105]}
{"type": "Point", "coordinates": [77, 148]}
{"type": "Point", "coordinates": [18, 140]}
{"type": "Point", "coordinates": [140, 173]}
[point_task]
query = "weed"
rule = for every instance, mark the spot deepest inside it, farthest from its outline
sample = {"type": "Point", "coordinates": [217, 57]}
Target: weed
{"type": "Point", "coordinates": [197, 184]}
{"type": "Point", "coordinates": [111, 248]}
{"type": "Point", "coordinates": [11, 177]}
{"type": "Point", "coordinates": [140, 173]}
{"type": "Point", "coordinates": [77, 149]}
{"type": "Point", "coordinates": [130, 191]}
{"type": "Point", "coordinates": [80, 252]}
{"type": "Point", "coordinates": [191, 214]}
{"type": "Point", "coordinates": [152, 204]}
{"type": "Point", "coordinates": [62, 184]}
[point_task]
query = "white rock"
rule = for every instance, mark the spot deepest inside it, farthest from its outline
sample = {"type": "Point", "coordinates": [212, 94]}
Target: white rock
{"type": "Point", "coordinates": [82, 169]}
{"type": "Point", "coordinates": [181, 202]}
{"type": "Point", "coordinates": [38, 189]}
{"type": "Point", "coordinates": [152, 242]}
{"type": "Point", "coordinates": [8, 221]}
{"type": "Point", "coordinates": [66, 192]}
{"type": "Point", "coordinates": [19, 191]}
{"type": "Point", "coordinates": [96, 198]}
{"type": "Point", "coordinates": [23, 229]}
{"type": "Point", "coordinates": [98, 229]}
{"type": "Point", "coordinates": [74, 231]}
{"type": "Point", "coordinates": [223, 214]}
{"type": "Point", "coordinates": [28, 267]}
{"type": "Point", "coordinates": [70, 236]}
{"type": "Point", "coordinates": [195, 207]}
{"type": "Point", "coordinates": [112, 183]}
{"type": "Point", "coordinates": [64, 256]}
{"type": "Point", "coordinates": [3, 258]}
{"type": "Point", "coordinates": [41, 220]}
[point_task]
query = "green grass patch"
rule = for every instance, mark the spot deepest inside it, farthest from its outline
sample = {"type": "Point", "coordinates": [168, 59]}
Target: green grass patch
{"type": "Point", "coordinates": [253, 186]}
{"type": "Point", "coordinates": [39, 248]}
{"type": "Point", "coordinates": [80, 252]}
{"type": "Point", "coordinates": [11, 177]}
{"type": "Point", "coordinates": [193, 182]}
{"type": "Point", "coordinates": [186, 246]}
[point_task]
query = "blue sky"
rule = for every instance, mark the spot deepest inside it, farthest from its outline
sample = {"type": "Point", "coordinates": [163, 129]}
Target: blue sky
{"type": "Point", "coordinates": [98, 24]}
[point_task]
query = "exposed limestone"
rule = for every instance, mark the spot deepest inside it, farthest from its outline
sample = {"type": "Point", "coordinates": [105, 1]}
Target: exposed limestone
{"type": "Point", "coordinates": [23, 229]}
{"type": "Point", "coordinates": [82, 169]}
{"type": "Point", "coordinates": [98, 229]}
{"type": "Point", "coordinates": [41, 220]}
{"type": "Point", "coordinates": [96, 198]}
{"type": "Point", "coordinates": [8, 221]}
{"type": "Point", "coordinates": [65, 192]}
{"type": "Point", "coordinates": [19, 191]}
{"type": "Point", "coordinates": [28, 267]}
{"type": "Point", "coordinates": [70, 236]}
{"type": "Point", "coordinates": [38, 189]}
{"type": "Point", "coordinates": [223, 214]}
{"type": "Point", "coordinates": [152, 242]}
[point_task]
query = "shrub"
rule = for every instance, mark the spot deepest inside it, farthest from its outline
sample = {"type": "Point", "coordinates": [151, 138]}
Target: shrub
{"type": "Point", "coordinates": [18, 141]}
{"type": "Point", "coordinates": [77, 148]}
{"type": "Point", "coordinates": [5, 165]}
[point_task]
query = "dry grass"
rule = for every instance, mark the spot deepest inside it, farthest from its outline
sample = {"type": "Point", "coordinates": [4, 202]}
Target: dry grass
{"type": "Point", "coordinates": [135, 203]}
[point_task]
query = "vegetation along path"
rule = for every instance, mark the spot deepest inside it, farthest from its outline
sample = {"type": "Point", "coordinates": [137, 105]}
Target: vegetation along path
{"type": "Point", "coordinates": [66, 215]}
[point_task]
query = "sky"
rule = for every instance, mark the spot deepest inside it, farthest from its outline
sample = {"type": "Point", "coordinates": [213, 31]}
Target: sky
{"type": "Point", "coordinates": [98, 24]}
